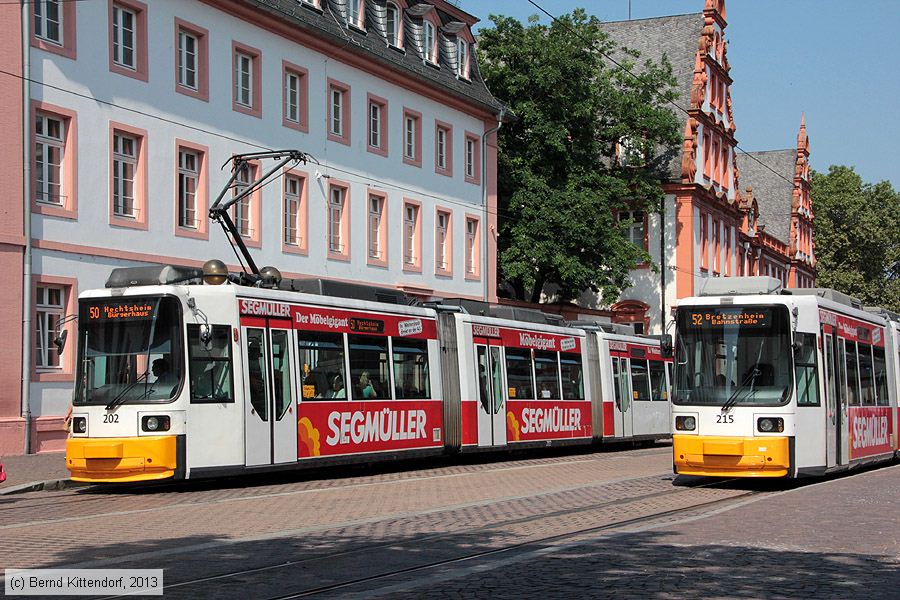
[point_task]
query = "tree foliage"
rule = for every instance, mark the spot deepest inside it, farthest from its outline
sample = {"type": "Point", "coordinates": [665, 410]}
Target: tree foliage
{"type": "Point", "coordinates": [559, 183]}
{"type": "Point", "coordinates": [857, 236]}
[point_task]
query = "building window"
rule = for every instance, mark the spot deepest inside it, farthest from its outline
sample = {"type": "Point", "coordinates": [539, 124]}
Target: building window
{"type": "Point", "coordinates": [472, 249]}
{"type": "Point", "coordinates": [636, 233]}
{"type": "Point", "coordinates": [412, 138]}
{"type": "Point", "coordinates": [50, 304]}
{"type": "Point", "coordinates": [443, 149]}
{"type": "Point", "coordinates": [191, 60]}
{"type": "Point", "coordinates": [243, 208]}
{"type": "Point", "coordinates": [462, 58]}
{"type": "Point", "coordinates": [293, 187]}
{"type": "Point", "coordinates": [243, 79]}
{"type": "Point", "coordinates": [336, 201]}
{"type": "Point", "coordinates": [473, 158]}
{"type": "Point", "coordinates": [292, 97]}
{"type": "Point", "coordinates": [393, 24]}
{"type": "Point", "coordinates": [704, 242]}
{"type": "Point", "coordinates": [124, 24]}
{"type": "Point", "coordinates": [247, 80]}
{"type": "Point", "coordinates": [295, 97]}
{"type": "Point", "coordinates": [356, 13]}
{"type": "Point", "coordinates": [188, 183]}
{"type": "Point", "coordinates": [50, 136]}
{"type": "Point", "coordinates": [188, 48]}
{"type": "Point", "coordinates": [376, 207]}
{"type": "Point", "coordinates": [378, 127]}
{"type": "Point", "coordinates": [48, 21]}
{"type": "Point", "coordinates": [338, 112]}
{"type": "Point", "coordinates": [411, 236]}
{"type": "Point", "coordinates": [716, 246]}
{"type": "Point", "coordinates": [430, 49]}
{"type": "Point", "coordinates": [125, 149]}
{"type": "Point", "coordinates": [442, 248]}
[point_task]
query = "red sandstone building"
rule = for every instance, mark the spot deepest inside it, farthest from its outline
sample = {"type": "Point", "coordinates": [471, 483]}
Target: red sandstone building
{"type": "Point", "coordinates": [726, 213]}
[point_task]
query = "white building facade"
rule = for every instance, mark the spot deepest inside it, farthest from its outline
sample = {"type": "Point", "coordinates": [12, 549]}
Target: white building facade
{"type": "Point", "coordinates": [129, 109]}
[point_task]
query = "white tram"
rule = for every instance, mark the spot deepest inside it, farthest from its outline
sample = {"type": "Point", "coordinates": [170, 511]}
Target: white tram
{"type": "Point", "coordinates": [782, 383]}
{"type": "Point", "coordinates": [177, 378]}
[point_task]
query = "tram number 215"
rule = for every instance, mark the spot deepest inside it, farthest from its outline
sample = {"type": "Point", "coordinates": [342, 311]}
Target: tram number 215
{"type": "Point", "coordinates": [724, 418]}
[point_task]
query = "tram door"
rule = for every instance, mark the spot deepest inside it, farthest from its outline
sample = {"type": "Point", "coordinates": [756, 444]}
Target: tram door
{"type": "Point", "coordinates": [491, 400]}
{"type": "Point", "coordinates": [270, 434]}
{"type": "Point", "coordinates": [831, 403]}
{"type": "Point", "coordinates": [843, 431]}
{"type": "Point", "coordinates": [622, 393]}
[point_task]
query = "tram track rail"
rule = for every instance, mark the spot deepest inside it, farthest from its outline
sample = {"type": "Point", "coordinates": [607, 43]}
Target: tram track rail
{"type": "Point", "coordinates": [482, 530]}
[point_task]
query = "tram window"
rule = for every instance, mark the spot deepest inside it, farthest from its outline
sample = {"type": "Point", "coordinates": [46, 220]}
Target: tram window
{"type": "Point", "coordinates": [411, 369]}
{"type": "Point", "coordinates": [640, 380]}
{"type": "Point", "coordinates": [322, 364]}
{"type": "Point", "coordinates": [546, 371]}
{"type": "Point", "coordinates": [572, 376]}
{"type": "Point", "coordinates": [369, 372]}
{"type": "Point", "coordinates": [518, 374]}
{"type": "Point", "coordinates": [658, 390]}
{"type": "Point", "coordinates": [805, 367]}
{"type": "Point", "coordinates": [852, 375]}
{"type": "Point", "coordinates": [881, 384]}
{"type": "Point", "coordinates": [210, 364]}
{"type": "Point", "coordinates": [866, 375]}
{"type": "Point", "coordinates": [281, 371]}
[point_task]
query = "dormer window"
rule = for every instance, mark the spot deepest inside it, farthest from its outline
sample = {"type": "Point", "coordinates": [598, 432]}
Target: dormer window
{"type": "Point", "coordinates": [430, 49]}
{"type": "Point", "coordinates": [392, 25]}
{"type": "Point", "coordinates": [462, 58]}
{"type": "Point", "coordinates": [355, 14]}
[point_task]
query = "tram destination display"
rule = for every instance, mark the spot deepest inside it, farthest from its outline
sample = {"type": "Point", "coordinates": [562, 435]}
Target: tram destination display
{"type": "Point", "coordinates": [127, 310]}
{"type": "Point", "coordinates": [715, 317]}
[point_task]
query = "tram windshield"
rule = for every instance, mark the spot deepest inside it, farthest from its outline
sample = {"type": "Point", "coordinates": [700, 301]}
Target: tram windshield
{"type": "Point", "coordinates": [733, 355]}
{"type": "Point", "coordinates": [129, 350]}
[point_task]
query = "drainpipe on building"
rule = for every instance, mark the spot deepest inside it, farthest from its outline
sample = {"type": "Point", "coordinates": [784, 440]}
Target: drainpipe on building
{"type": "Point", "coordinates": [26, 204]}
{"type": "Point", "coordinates": [484, 201]}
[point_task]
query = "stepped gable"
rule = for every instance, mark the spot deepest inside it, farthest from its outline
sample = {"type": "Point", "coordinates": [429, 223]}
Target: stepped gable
{"type": "Point", "coordinates": [773, 194]}
{"type": "Point", "coordinates": [676, 37]}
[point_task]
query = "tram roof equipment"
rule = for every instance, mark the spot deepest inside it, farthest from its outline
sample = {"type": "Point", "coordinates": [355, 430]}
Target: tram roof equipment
{"type": "Point", "coordinates": [740, 286]}
{"type": "Point", "coordinates": [829, 294]}
{"type": "Point", "coordinates": [345, 289]}
{"type": "Point", "coordinates": [153, 275]}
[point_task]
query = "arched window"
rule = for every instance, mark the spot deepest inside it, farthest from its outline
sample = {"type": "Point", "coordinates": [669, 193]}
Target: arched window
{"type": "Point", "coordinates": [393, 24]}
{"type": "Point", "coordinates": [430, 42]}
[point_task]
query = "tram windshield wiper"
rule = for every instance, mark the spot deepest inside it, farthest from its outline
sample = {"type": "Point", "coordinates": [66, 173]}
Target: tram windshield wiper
{"type": "Point", "coordinates": [122, 396]}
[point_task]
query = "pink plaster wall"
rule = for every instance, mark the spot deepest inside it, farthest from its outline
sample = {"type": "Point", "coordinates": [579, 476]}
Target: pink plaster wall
{"type": "Point", "coordinates": [11, 233]}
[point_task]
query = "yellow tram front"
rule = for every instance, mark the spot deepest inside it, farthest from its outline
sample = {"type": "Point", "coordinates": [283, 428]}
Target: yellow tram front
{"type": "Point", "coordinates": [128, 419]}
{"type": "Point", "coordinates": [732, 407]}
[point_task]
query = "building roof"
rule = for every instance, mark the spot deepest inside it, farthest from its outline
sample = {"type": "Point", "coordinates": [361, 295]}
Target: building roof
{"type": "Point", "coordinates": [329, 23]}
{"type": "Point", "coordinates": [675, 37]}
{"type": "Point", "coordinates": [773, 191]}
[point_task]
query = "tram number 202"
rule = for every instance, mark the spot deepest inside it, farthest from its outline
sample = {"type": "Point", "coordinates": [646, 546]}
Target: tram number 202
{"type": "Point", "coordinates": [724, 418]}
{"type": "Point", "coordinates": [111, 418]}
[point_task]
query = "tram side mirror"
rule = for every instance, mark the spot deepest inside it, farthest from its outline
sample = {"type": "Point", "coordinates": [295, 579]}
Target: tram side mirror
{"type": "Point", "coordinates": [797, 346]}
{"type": "Point", "coordinates": [666, 345]}
{"type": "Point", "coordinates": [60, 340]}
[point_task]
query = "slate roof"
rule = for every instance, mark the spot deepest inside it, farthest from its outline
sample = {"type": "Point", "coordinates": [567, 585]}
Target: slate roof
{"type": "Point", "coordinates": [773, 194]}
{"type": "Point", "coordinates": [328, 24]}
{"type": "Point", "coordinates": [676, 37]}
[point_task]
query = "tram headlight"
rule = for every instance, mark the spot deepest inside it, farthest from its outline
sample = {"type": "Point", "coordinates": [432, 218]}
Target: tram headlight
{"type": "Point", "coordinates": [155, 423]}
{"type": "Point", "coordinates": [770, 424]}
{"type": "Point", "coordinates": [685, 423]}
{"type": "Point", "coordinates": [79, 424]}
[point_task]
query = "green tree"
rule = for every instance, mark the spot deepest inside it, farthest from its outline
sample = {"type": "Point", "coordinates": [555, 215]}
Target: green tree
{"type": "Point", "coordinates": [559, 181]}
{"type": "Point", "coordinates": [857, 236]}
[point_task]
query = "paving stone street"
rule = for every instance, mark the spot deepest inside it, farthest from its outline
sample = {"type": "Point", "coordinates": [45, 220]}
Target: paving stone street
{"type": "Point", "coordinates": [558, 525]}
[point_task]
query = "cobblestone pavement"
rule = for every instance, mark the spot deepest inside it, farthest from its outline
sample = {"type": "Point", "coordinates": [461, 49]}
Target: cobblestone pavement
{"type": "Point", "coordinates": [543, 526]}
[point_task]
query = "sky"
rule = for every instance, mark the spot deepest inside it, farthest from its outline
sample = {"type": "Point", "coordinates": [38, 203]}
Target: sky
{"type": "Point", "coordinates": [834, 60]}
